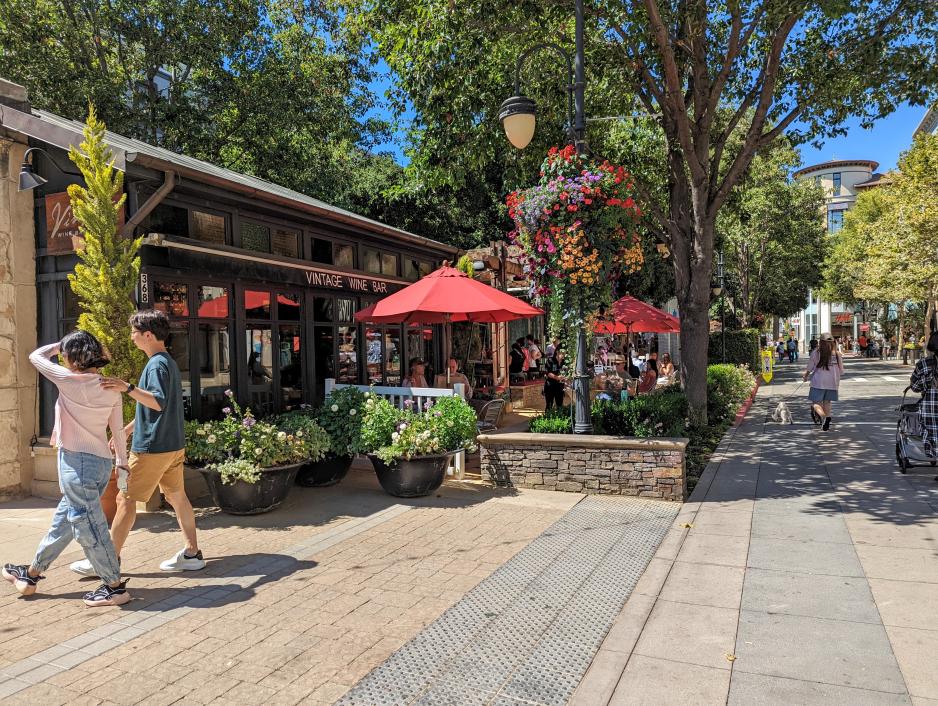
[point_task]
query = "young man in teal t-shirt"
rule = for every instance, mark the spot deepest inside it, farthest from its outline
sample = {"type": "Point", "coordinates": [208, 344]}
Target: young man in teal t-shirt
{"type": "Point", "coordinates": [158, 447]}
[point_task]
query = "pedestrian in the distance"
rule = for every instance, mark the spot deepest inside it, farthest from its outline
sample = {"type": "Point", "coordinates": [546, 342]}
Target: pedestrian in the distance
{"type": "Point", "coordinates": [83, 413]}
{"type": "Point", "coordinates": [825, 368]}
{"type": "Point", "coordinates": [792, 347]}
{"type": "Point", "coordinates": [554, 380]}
{"type": "Point", "coordinates": [158, 448]}
{"type": "Point", "coordinates": [923, 381]}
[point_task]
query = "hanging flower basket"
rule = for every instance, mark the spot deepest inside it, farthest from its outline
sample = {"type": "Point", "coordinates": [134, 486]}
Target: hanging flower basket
{"type": "Point", "coordinates": [577, 228]}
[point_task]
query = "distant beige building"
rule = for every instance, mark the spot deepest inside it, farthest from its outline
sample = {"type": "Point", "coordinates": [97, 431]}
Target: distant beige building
{"type": "Point", "coordinates": [841, 180]}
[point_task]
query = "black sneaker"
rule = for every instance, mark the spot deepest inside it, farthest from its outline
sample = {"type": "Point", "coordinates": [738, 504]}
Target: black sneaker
{"type": "Point", "coordinates": [815, 417]}
{"type": "Point", "coordinates": [18, 575]}
{"type": "Point", "coordinates": [827, 423]}
{"type": "Point", "coordinates": [105, 595]}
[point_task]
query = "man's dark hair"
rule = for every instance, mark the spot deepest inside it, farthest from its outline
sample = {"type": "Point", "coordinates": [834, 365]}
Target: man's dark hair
{"type": "Point", "coordinates": [83, 351]}
{"type": "Point", "coordinates": [152, 320]}
{"type": "Point", "coordinates": [932, 345]}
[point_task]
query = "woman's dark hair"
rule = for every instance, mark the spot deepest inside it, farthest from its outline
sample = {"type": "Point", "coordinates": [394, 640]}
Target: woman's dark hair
{"type": "Point", "coordinates": [152, 320]}
{"type": "Point", "coordinates": [83, 351]}
{"type": "Point", "coordinates": [932, 345]}
{"type": "Point", "coordinates": [653, 364]}
{"type": "Point", "coordinates": [825, 348]}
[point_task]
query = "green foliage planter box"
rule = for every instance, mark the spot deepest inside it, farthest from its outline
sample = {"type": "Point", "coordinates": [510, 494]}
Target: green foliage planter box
{"type": "Point", "coordinates": [592, 464]}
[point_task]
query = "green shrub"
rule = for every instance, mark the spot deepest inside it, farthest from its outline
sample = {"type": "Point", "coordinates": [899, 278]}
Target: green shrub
{"type": "Point", "coordinates": [658, 414]}
{"type": "Point", "coordinates": [552, 423]}
{"type": "Point", "coordinates": [742, 348]}
{"type": "Point", "coordinates": [728, 386]}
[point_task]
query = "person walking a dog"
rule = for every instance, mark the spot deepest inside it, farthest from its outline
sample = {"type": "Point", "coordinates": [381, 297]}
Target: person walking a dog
{"type": "Point", "coordinates": [825, 368]}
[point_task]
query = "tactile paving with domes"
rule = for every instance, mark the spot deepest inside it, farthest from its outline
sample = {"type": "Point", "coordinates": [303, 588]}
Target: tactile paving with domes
{"type": "Point", "coordinates": [527, 633]}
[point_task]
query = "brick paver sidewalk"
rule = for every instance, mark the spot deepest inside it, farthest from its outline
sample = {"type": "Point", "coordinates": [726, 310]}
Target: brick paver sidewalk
{"type": "Point", "coordinates": [803, 571]}
{"type": "Point", "coordinates": [295, 606]}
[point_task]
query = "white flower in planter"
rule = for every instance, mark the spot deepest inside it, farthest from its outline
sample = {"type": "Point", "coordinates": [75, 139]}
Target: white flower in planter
{"type": "Point", "coordinates": [299, 434]}
{"type": "Point", "coordinates": [211, 438]}
{"type": "Point", "coordinates": [200, 432]}
{"type": "Point", "coordinates": [258, 452]}
{"type": "Point", "coordinates": [395, 436]}
{"type": "Point", "coordinates": [282, 435]}
{"type": "Point", "coordinates": [352, 412]}
{"type": "Point", "coordinates": [334, 408]}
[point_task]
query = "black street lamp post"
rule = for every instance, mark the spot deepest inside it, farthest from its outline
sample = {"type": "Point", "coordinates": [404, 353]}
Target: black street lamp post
{"type": "Point", "coordinates": [518, 116]}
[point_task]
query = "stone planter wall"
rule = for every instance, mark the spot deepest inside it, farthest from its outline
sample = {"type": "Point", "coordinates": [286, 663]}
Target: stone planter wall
{"type": "Point", "coordinates": [647, 468]}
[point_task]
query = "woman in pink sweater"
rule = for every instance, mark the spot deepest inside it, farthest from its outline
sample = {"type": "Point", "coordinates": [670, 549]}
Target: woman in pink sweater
{"type": "Point", "coordinates": [83, 413]}
{"type": "Point", "coordinates": [825, 366]}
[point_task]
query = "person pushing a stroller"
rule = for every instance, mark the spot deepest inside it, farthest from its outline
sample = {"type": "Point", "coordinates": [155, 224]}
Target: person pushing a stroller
{"type": "Point", "coordinates": [923, 381]}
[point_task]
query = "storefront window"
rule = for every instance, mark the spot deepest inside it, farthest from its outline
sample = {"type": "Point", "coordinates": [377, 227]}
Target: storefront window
{"type": "Point", "coordinates": [286, 243]}
{"type": "Point", "coordinates": [343, 255]}
{"type": "Point", "coordinates": [411, 269]}
{"type": "Point", "coordinates": [425, 268]}
{"type": "Point", "coordinates": [256, 304]}
{"type": "Point", "coordinates": [255, 236]}
{"type": "Point", "coordinates": [392, 357]}
{"type": "Point", "coordinates": [213, 302]}
{"type": "Point", "coordinates": [372, 261]}
{"type": "Point", "coordinates": [324, 352]}
{"type": "Point", "coordinates": [323, 309]}
{"type": "Point", "coordinates": [291, 367]}
{"type": "Point", "coordinates": [347, 373]}
{"type": "Point", "coordinates": [288, 307]}
{"type": "Point", "coordinates": [168, 220]}
{"type": "Point", "coordinates": [177, 345]}
{"type": "Point", "coordinates": [373, 355]}
{"type": "Point", "coordinates": [171, 298]}
{"type": "Point", "coordinates": [388, 264]}
{"type": "Point", "coordinates": [214, 368]}
{"type": "Point", "coordinates": [321, 251]}
{"type": "Point", "coordinates": [345, 309]}
{"type": "Point", "coordinates": [208, 227]}
{"type": "Point", "coordinates": [260, 368]}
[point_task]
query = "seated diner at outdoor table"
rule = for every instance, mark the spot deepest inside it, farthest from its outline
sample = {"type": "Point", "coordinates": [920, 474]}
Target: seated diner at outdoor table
{"type": "Point", "coordinates": [649, 378]}
{"type": "Point", "coordinates": [416, 374]}
{"type": "Point", "coordinates": [453, 376]}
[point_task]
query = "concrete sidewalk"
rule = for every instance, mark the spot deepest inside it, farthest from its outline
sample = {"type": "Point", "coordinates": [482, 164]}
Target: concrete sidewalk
{"type": "Point", "coordinates": [804, 570]}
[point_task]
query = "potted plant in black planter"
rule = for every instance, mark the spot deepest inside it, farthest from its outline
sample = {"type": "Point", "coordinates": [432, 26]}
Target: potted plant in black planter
{"type": "Point", "coordinates": [250, 465]}
{"type": "Point", "coordinates": [410, 449]}
{"type": "Point", "coordinates": [341, 417]}
{"type": "Point", "coordinates": [320, 469]}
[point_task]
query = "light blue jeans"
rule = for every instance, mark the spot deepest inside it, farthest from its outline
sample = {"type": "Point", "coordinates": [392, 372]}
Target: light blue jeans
{"type": "Point", "coordinates": [82, 478]}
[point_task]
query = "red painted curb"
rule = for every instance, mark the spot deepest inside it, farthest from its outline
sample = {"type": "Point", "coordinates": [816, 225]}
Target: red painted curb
{"type": "Point", "coordinates": [741, 413]}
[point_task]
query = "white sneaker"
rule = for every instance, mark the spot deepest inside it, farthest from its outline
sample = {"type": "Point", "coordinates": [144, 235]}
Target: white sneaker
{"type": "Point", "coordinates": [181, 562]}
{"type": "Point", "coordinates": [83, 568]}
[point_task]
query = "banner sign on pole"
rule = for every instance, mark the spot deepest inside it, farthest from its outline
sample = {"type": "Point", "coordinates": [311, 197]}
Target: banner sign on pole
{"type": "Point", "coordinates": [768, 359]}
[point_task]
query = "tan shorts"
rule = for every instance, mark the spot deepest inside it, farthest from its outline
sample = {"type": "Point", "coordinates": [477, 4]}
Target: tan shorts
{"type": "Point", "coordinates": [150, 470]}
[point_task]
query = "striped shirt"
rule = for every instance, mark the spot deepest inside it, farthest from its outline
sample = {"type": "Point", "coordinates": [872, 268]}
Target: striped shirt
{"type": "Point", "coordinates": [84, 409]}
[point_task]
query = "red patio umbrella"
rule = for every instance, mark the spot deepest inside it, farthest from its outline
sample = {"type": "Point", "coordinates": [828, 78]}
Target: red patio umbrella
{"type": "Point", "coordinates": [444, 296]}
{"type": "Point", "coordinates": [631, 315]}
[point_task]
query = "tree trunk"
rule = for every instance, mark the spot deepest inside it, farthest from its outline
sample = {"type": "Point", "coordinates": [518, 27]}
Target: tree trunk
{"type": "Point", "coordinates": [692, 282]}
{"type": "Point", "coordinates": [776, 327]}
{"type": "Point", "coordinates": [900, 336]}
{"type": "Point", "coordinates": [929, 314]}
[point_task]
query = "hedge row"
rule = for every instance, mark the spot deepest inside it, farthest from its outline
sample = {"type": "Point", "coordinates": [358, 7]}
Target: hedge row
{"type": "Point", "coordinates": [742, 348]}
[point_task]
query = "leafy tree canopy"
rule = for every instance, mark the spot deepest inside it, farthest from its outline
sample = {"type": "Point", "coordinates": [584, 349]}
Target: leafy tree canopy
{"type": "Point", "coordinates": [773, 237]}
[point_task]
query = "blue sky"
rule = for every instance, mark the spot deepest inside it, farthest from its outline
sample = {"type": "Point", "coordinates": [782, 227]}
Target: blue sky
{"type": "Point", "coordinates": [884, 142]}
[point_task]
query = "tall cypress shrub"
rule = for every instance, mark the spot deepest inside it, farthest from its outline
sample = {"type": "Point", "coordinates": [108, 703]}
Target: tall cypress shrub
{"type": "Point", "coordinates": [109, 265]}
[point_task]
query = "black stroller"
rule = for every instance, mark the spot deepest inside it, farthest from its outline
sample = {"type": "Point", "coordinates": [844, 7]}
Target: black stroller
{"type": "Point", "coordinates": [910, 447]}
